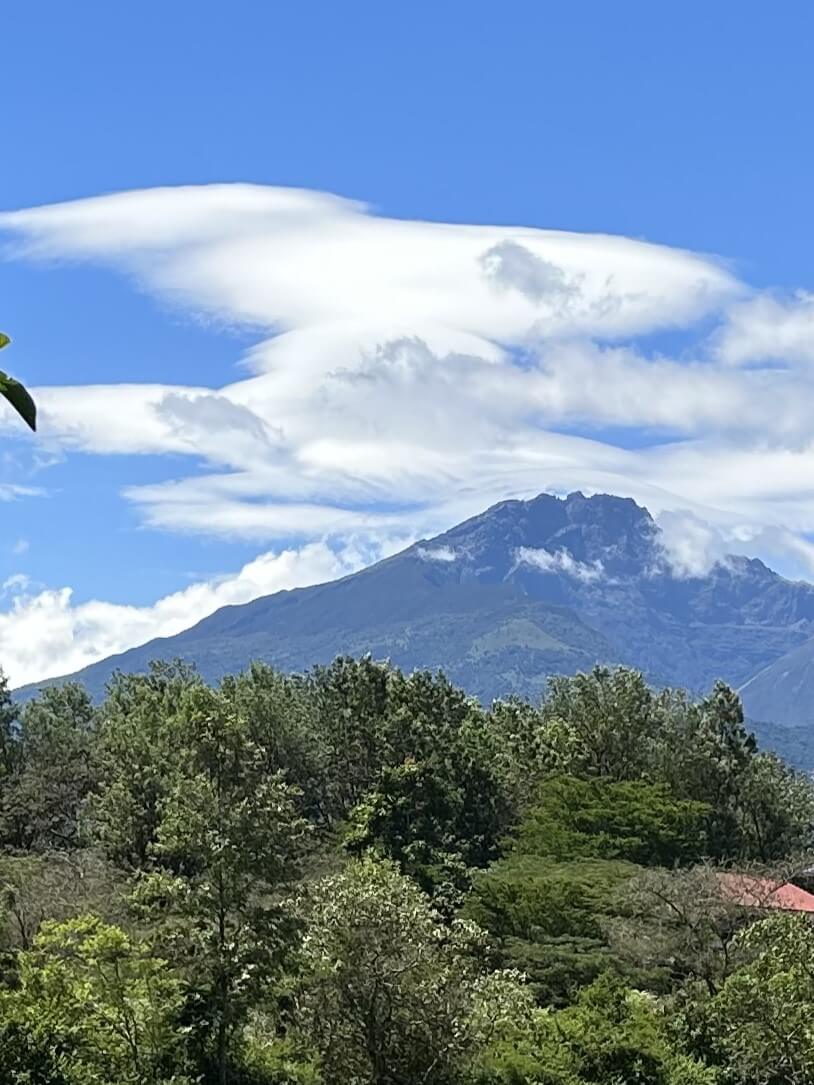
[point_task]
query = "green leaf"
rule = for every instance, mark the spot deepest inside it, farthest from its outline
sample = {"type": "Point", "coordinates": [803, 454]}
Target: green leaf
{"type": "Point", "coordinates": [4, 340]}
{"type": "Point", "coordinates": [18, 397]}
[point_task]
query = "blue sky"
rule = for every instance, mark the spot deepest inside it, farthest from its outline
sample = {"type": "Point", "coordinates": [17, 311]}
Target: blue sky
{"type": "Point", "coordinates": [681, 125]}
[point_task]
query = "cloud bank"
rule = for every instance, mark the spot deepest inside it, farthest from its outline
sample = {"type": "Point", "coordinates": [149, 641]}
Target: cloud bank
{"type": "Point", "coordinates": [406, 374]}
{"type": "Point", "coordinates": [41, 622]}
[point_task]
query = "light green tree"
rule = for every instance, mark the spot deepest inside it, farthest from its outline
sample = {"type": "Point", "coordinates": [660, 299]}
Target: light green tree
{"type": "Point", "coordinates": [388, 993]}
{"type": "Point", "coordinates": [763, 1017]}
{"type": "Point", "coordinates": [101, 1003]}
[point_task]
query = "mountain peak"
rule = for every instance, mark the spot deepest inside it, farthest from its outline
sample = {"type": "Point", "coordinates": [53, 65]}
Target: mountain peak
{"type": "Point", "coordinates": [527, 589]}
{"type": "Point", "coordinates": [600, 530]}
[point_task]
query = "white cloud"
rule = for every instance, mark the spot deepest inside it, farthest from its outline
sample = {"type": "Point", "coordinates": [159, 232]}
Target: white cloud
{"type": "Point", "coordinates": [287, 258]}
{"type": "Point", "coordinates": [769, 329]}
{"type": "Point", "coordinates": [691, 546]}
{"type": "Point", "coordinates": [560, 561]}
{"type": "Point", "coordinates": [437, 553]}
{"type": "Point", "coordinates": [45, 633]}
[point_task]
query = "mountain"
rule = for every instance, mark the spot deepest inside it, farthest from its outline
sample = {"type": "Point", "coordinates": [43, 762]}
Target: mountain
{"type": "Point", "coordinates": [783, 691]}
{"type": "Point", "coordinates": [524, 590]}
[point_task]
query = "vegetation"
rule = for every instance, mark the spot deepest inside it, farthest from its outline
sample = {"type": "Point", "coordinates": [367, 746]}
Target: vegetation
{"type": "Point", "coordinates": [16, 394]}
{"type": "Point", "coordinates": [362, 877]}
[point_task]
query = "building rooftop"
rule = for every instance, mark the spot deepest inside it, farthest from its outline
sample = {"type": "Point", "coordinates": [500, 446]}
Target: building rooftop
{"type": "Point", "coordinates": [754, 892]}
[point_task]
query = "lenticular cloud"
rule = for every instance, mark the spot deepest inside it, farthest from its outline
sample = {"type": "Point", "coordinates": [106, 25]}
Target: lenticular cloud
{"type": "Point", "coordinates": [405, 374]}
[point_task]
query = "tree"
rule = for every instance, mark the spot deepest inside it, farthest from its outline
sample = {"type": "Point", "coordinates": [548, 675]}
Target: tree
{"type": "Point", "coordinates": [101, 1003]}
{"type": "Point", "coordinates": [9, 733]}
{"type": "Point", "coordinates": [759, 808]}
{"type": "Point", "coordinates": [284, 727]}
{"type": "Point", "coordinates": [605, 723]}
{"type": "Point", "coordinates": [611, 1035]}
{"type": "Point", "coordinates": [16, 394]}
{"type": "Point", "coordinates": [227, 839]}
{"type": "Point", "coordinates": [601, 818]}
{"type": "Point", "coordinates": [763, 1016]}
{"type": "Point", "coordinates": [437, 816]}
{"type": "Point", "coordinates": [548, 918]}
{"type": "Point", "coordinates": [55, 886]}
{"type": "Point", "coordinates": [707, 758]}
{"type": "Point", "coordinates": [351, 702]}
{"type": "Point", "coordinates": [686, 922]}
{"type": "Point", "coordinates": [43, 800]}
{"type": "Point", "coordinates": [26, 1058]}
{"type": "Point", "coordinates": [387, 993]}
{"type": "Point", "coordinates": [135, 751]}
{"type": "Point", "coordinates": [775, 808]}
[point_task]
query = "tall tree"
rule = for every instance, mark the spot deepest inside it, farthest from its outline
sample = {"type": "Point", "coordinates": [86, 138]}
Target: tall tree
{"type": "Point", "coordinates": [135, 752]}
{"type": "Point", "coordinates": [283, 724]}
{"type": "Point", "coordinates": [605, 723]}
{"type": "Point", "coordinates": [42, 805]}
{"type": "Point", "coordinates": [388, 994]}
{"type": "Point", "coordinates": [228, 837]}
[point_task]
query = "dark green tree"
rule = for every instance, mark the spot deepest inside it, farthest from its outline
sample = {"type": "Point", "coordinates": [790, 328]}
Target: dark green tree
{"type": "Point", "coordinates": [43, 801]}
{"type": "Point", "coordinates": [602, 818]}
{"type": "Point", "coordinates": [136, 751]}
{"type": "Point", "coordinates": [284, 726]}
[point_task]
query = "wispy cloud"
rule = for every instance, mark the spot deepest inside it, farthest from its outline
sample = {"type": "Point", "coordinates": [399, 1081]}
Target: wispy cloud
{"type": "Point", "coordinates": [560, 561]}
{"type": "Point", "coordinates": [443, 554]}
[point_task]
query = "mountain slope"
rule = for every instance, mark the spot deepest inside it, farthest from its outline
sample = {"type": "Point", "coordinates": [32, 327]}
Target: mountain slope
{"type": "Point", "coordinates": [783, 691]}
{"type": "Point", "coordinates": [526, 589]}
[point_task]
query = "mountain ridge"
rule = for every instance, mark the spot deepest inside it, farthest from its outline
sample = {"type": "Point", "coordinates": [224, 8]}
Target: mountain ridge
{"type": "Point", "coordinates": [508, 597]}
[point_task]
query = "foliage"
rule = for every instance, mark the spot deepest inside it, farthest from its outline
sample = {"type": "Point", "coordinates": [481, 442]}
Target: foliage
{"type": "Point", "coordinates": [43, 801]}
{"type": "Point", "coordinates": [26, 1058]}
{"type": "Point", "coordinates": [633, 820]}
{"type": "Point", "coordinates": [101, 1005]}
{"type": "Point", "coordinates": [227, 836]}
{"type": "Point", "coordinates": [387, 991]}
{"type": "Point", "coordinates": [38, 887]}
{"type": "Point", "coordinates": [136, 752]}
{"type": "Point", "coordinates": [548, 918]}
{"type": "Point", "coordinates": [686, 921]}
{"type": "Point", "coordinates": [16, 394]}
{"type": "Point", "coordinates": [763, 1017]}
{"type": "Point", "coordinates": [609, 1036]}
{"type": "Point", "coordinates": [362, 876]}
{"type": "Point", "coordinates": [605, 723]}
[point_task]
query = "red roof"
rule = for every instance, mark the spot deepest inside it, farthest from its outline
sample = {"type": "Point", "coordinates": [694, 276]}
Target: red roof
{"type": "Point", "coordinates": [754, 892]}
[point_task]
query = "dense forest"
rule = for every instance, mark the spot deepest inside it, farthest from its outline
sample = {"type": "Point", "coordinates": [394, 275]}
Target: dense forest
{"type": "Point", "coordinates": [358, 876]}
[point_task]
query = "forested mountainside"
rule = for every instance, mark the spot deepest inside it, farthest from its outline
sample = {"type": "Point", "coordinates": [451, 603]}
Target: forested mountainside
{"type": "Point", "coordinates": [366, 877]}
{"type": "Point", "coordinates": [526, 590]}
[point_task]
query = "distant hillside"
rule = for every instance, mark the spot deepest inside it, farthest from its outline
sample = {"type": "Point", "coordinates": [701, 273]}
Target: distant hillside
{"type": "Point", "coordinates": [783, 691]}
{"type": "Point", "coordinates": [525, 590]}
